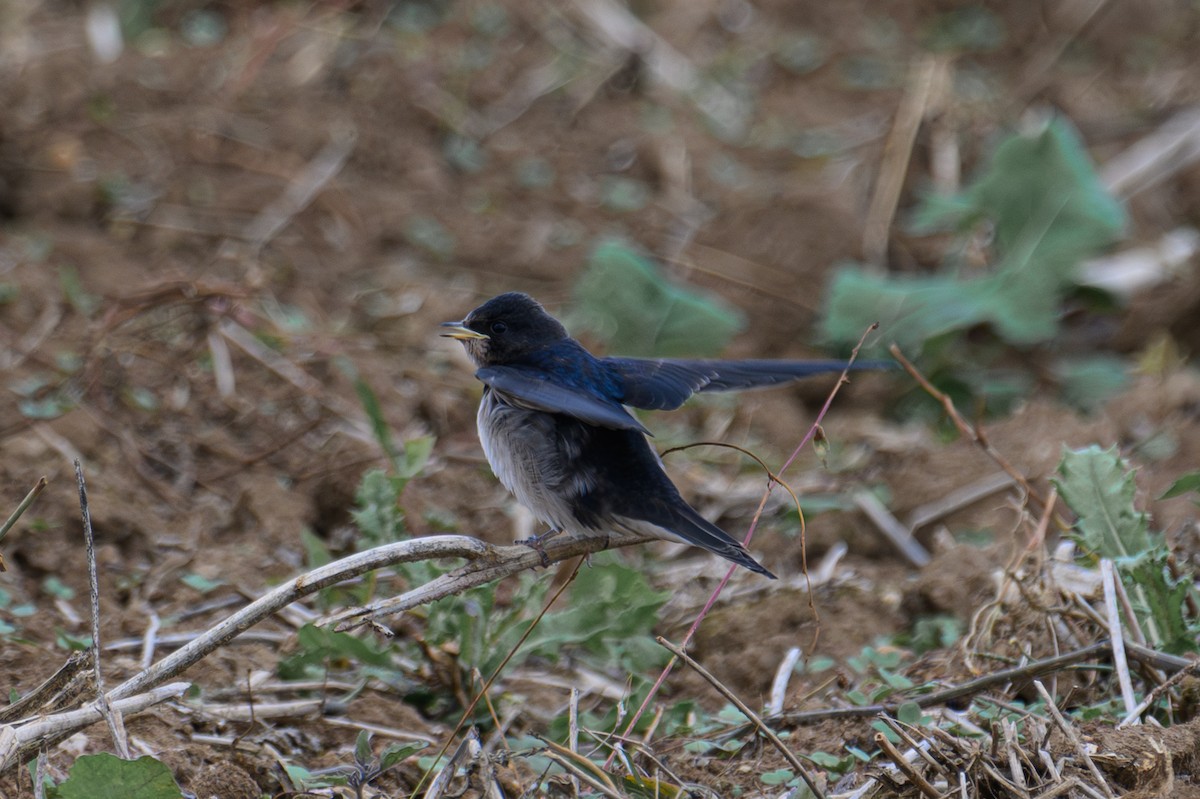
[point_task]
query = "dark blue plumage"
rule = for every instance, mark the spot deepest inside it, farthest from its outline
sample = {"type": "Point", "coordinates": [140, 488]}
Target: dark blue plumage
{"type": "Point", "coordinates": [555, 429]}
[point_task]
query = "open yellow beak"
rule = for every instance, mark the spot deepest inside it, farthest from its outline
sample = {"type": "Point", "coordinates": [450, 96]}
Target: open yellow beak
{"type": "Point", "coordinates": [460, 331]}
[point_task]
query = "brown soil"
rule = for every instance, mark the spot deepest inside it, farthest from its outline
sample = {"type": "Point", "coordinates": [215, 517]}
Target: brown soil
{"type": "Point", "coordinates": [129, 194]}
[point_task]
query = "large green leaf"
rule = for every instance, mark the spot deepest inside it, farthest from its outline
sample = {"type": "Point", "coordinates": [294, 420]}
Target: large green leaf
{"type": "Point", "coordinates": [106, 776]}
{"type": "Point", "coordinates": [1098, 485]}
{"type": "Point", "coordinates": [625, 298]}
{"type": "Point", "coordinates": [1048, 211]}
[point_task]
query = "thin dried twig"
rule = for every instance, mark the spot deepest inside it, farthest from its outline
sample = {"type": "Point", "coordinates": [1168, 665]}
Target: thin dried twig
{"type": "Point", "coordinates": [900, 536]}
{"type": "Point", "coordinates": [1191, 671]}
{"type": "Point", "coordinates": [300, 192]}
{"type": "Point", "coordinates": [469, 748]}
{"type": "Point", "coordinates": [905, 767]}
{"type": "Point", "coordinates": [616, 24]}
{"type": "Point", "coordinates": [755, 719]}
{"type": "Point", "coordinates": [897, 152]}
{"type": "Point", "coordinates": [116, 725]}
{"type": "Point", "coordinates": [581, 768]}
{"type": "Point", "coordinates": [37, 489]}
{"type": "Point", "coordinates": [1035, 668]}
{"type": "Point", "coordinates": [1071, 736]}
{"type": "Point", "coordinates": [974, 433]}
{"type": "Point", "coordinates": [783, 676]}
{"type": "Point", "coordinates": [39, 696]}
{"type": "Point", "coordinates": [356, 424]}
{"type": "Point", "coordinates": [1116, 634]}
{"type": "Point", "coordinates": [1172, 146]}
{"type": "Point", "coordinates": [957, 499]}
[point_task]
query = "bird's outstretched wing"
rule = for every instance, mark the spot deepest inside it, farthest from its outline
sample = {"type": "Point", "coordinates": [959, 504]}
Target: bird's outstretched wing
{"type": "Point", "coordinates": [530, 389]}
{"type": "Point", "coordinates": [664, 384]}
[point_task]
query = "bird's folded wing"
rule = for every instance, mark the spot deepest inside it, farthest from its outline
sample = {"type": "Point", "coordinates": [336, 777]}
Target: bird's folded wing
{"type": "Point", "coordinates": [530, 389]}
{"type": "Point", "coordinates": [665, 384]}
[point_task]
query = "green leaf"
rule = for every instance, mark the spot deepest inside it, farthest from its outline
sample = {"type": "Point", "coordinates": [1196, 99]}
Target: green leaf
{"type": "Point", "coordinates": [362, 748]}
{"type": "Point", "coordinates": [828, 761]}
{"type": "Point", "coordinates": [378, 514]}
{"type": "Point", "coordinates": [618, 193]}
{"type": "Point", "coordinates": [1089, 382]}
{"type": "Point", "coordinates": [379, 425]}
{"type": "Point", "coordinates": [857, 697]}
{"type": "Point", "coordinates": [895, 681]}
{"type": "Point", "coordinates": [85, 304]}
{"type": "Point", "coordinates": [612, 606]}
{"type": "Point", "coordinates": [316, 553]}
{"type": "Point", "coordinates": [428, 234]}
{"type": "Point", "coordinates": [625, 298]}
{"type": "Point", "coordinates": [200, 583]}
{"type": "Point", "coordinates": [780, 776]}
{"type": "Point", "coordinates": [106, 776]}
{"type": "Point", "coordinates": [57, 588]}
{"type": "Point", "coordinates": [72, 643]}
{"type": "Point", "coordinates": [1048, 211]}
{"type": "Point", "coordinates": [1189, 482]}
{"type": "Point", "coordinates": [1163, 599]}
{"type": "Point", "coordinates": [397, 753]}
{"type": "Point", "coordinates": [416, 455]}
{"type": "Point", "coordinates": [909, 713]}
{"type": "Point", "coordinates": [1098, 486]}
{"type": "Point", "coordinates": [320, 647]}
{"type": "Point", "coordinates": [972, 28]}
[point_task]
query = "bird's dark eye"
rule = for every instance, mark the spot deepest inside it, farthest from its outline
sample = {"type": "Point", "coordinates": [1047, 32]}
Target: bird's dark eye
{"type": "Point", "coordinates": [499, 327]}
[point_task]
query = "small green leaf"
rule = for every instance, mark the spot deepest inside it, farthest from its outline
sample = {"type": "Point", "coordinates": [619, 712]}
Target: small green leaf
{"type": "Point", "coordinates": [859, 754]}
{"type": "Point", "coordinates": [316, 552]}
{"type": "Point", "coordinates": [895, 681]}
{"type": "Point", "coordinates": [969, 29]}
{"type": "Point", "coordinates": [777, 777]}
{"type": "Point", "coordinates": [827, 761]}
{"type": "Point", "coordinates": [909, 713]}
{"type": "Point", "coordinates": [398, 753]}
{"type": "Point", "coordinates": [200, 583]}
{"type": "Point", "coordinates": [426, 233]}
{"type": "Point", "coordinates": [416, 455]}
{"type": "Point", "coordinates": [464, 154]}
{"type": "Point", "coordinates": [362, 748]}
{"type": "Point", "coordinates": [624, 194]}
{"type": "Point", "coordinates": [72, 643]}
{"type": "Point", "coordinates": [57, 588]}
{"type": "Point", "coordinates": [1089, 382]}
{"type": "Point", "coordinates": [819, 663]}
{"type": "Point", "coordinates": [1187, 483]}
{"type": "Point", "coordinates": [72, 288]}
{"type": "Point", "coordinates": [857, 697]}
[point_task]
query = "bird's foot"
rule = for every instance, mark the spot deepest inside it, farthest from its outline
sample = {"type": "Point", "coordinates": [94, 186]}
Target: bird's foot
{"type": "Point", "coordinates": [537, 544]}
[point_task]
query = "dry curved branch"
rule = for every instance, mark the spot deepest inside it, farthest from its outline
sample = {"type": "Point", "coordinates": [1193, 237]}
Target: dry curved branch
{"type": "Point", "coordinates": [486, 563]}
{"type": "Point", "coordinates": [512, 560]}
{"type": "Point", "coordinates": [20, 740]}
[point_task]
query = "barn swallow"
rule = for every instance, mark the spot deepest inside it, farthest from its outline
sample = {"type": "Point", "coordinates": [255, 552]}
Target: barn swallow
{"type": "Point", "coordinates": [556, 431]}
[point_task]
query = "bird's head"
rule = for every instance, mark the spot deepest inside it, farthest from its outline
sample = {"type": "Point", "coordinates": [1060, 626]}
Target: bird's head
{"type": "Point", "coordinates": [505, 328]}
